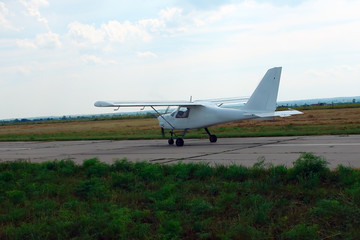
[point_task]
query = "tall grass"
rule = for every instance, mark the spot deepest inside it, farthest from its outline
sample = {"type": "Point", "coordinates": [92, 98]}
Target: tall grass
{"type": "Point", "coordinates": [125, 200]}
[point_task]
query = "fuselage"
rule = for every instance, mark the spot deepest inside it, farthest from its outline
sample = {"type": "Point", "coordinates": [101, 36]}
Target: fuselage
{"type": "Point", "coordinates": [200, 117]}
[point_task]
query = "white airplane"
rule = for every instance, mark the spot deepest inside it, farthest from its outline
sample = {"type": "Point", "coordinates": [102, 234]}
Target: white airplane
{"type": "Point", "coordinates": [205, 113]}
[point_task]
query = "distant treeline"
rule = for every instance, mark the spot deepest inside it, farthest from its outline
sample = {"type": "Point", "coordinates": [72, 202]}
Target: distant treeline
{"type": "Point", "coordinates": [79, 118]}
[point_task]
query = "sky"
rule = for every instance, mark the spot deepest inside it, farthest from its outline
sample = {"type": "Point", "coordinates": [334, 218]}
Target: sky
{"type": "Point", "coordinates": [59, 57]}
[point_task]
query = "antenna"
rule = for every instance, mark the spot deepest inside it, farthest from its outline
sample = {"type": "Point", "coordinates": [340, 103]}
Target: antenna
{"type": "Point", "coordinates": [190, 98]}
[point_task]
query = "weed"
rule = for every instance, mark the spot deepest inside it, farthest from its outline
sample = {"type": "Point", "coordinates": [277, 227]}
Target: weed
{"type": "Point", "coordinates": [301, 232]}
{"type": "Point", "coordinates": [309, 170]}
{"type": "Point", "coordinates": [92, 188]}
{"type": "Point", "coordinates": [61, 200]}
{"type": "Point", "coordinates": [93, 167]}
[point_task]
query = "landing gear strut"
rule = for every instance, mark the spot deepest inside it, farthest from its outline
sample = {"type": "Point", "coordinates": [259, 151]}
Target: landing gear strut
{"type": "Point", "coordinates": [171, 139]}
{"type": "Point", "coordinates": [179, 141]}
{"type": "Point", "coordinates": [212, 138]}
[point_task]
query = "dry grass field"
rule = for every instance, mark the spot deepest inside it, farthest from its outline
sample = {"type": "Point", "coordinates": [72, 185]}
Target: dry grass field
{"type": "Point", "coordinates": [312, 122]}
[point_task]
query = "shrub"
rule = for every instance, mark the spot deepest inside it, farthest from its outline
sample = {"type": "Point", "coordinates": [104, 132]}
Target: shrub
{"type": "Point", "coordinates": [242, 231]}
{"type": "Point", "coordinates": [199, 207]}
{"type": "Point", "coordinates": [203, 171]}
{"type": "Point", "coordinates": [92, 188]}
{"type": "Point", "coordinates": [16, 196]}
{"type": "Point", "coordinates": [237, 173]}
{"type": "Point", "coordinates": [123, 180]}
{"type": "Point", "coordinates": [151, 172]}
{"type": "Point", "coordinates": [336, 214]}
{"type": "Point", "coordinates": [170, 229]}
{"type": "Point", "coordinates": [309, 170]}
{"type": "Point", "coordinates": [93, 167]}
{"type": "Point", "coordinates": [301, 232]}
{"type": "Point", "coordinates": [347, 176]}
{"type": "Point", "coordinates": [122, 165]}
{"type": "Point", "coordinates": [7, 176]}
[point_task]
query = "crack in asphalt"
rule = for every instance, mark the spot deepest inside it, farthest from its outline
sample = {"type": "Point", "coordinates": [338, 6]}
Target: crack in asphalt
{"type": "Point", "coordinates": [254, 145]}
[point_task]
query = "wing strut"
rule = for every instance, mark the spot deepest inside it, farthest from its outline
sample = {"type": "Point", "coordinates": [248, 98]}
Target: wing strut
{"type": "Point", "coordinates": [162, 117]}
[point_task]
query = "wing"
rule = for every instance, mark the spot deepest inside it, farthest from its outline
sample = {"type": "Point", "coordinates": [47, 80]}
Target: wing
{"type": "Point", "coordinates": [221, 101]}
{"type": "Point", "coordinates": [218, 102]}
{"type": "Point", "coordinates": [146, 104]}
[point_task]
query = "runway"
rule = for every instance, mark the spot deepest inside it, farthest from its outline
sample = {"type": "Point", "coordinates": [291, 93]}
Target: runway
{"type": "Point", "coordinates": [336, 150]}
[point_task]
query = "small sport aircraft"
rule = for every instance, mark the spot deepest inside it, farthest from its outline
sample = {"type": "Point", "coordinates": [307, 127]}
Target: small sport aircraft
{"type": "Point", "coordinates": [205, 113]}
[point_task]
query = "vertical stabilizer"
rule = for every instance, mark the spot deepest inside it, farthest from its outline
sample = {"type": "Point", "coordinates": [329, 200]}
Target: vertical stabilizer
{"type": "Point", "coordinates": [265, 95]}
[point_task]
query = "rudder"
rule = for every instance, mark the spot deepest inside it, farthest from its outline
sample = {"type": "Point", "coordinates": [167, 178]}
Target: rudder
{"type": "Point", "coordinates": [265, 95]}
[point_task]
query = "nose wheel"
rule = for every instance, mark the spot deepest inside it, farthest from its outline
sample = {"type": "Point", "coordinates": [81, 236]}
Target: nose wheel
{"type": "Point", "coordinates": [179, 142]}
{"type": "Point", "coordinates": [212, 137]}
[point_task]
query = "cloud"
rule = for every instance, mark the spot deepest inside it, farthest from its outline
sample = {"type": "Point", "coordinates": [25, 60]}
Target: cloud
{"type": "Point", "coordinates": [26, 43]}
{"type": "Point", "coordinates": [146, 54]}
{"type": "Point", "coordinates": [4, 23]}
{"type": "Point", "coordinates": [32, 8]}
{"type": "Point", "coordinates": [92, 59]}
{"type": "Point", "coordinates": [84, 33]}
{"type": "Point", "coordinates": [170, 20]}
{"type": "Point", "coordinates": [44, 40]}
{"type": "Point", "coordinates": [121, 32]}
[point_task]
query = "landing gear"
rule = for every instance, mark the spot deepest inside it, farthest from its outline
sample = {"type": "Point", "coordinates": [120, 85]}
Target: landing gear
{"type": "Point", "coordinates": [171, 139]}
{"type": "Point", "coordinates": [212, 137]}
{"type": "Point", "coordinates": [179, 142]}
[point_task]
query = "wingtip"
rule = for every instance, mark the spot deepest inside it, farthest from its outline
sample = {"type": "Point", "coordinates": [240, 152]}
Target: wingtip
{"type": "Point", "coordinates": [102, 104]}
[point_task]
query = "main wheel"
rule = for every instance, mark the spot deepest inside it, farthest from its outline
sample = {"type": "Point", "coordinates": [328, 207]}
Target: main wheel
{"type": "Point", "coordinates": [179, 142]}
{"type": "Point", "coordinates": [213, 138]}
{"type": "Point", "coordinates": [171, 141]}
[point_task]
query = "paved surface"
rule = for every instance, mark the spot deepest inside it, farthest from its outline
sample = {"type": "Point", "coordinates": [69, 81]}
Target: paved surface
{"type": "Point", "coordinates": [337, 150]}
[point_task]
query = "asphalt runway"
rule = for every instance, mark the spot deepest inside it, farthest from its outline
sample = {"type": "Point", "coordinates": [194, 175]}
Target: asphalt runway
{"type": "Point", "coordinates": [337, 150]}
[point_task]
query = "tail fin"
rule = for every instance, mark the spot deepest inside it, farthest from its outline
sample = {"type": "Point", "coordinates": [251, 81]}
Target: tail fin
{"type": "Point", "coordinates": [265, 95]}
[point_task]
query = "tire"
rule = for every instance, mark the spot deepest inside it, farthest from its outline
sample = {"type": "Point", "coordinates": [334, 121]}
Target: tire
{"type": "Point", "coordinates": [179, 142]}
{"type": "Point", "coordinates": [213, 138]}
{"type": "Point", "coordinates": [171, 141]}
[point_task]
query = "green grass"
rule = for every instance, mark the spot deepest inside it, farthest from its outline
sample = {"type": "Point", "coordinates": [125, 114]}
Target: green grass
{"type": "Point", "coordinates": [125, 200]}
{"type": "Point", "coordinates": [251, 131]}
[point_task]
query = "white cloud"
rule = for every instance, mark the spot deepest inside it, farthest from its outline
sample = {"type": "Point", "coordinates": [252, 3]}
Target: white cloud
{"type": "Point", "coordinates": [121, 32]}
{"type": "Point", "coordinates": [146, 54]}
{"type": "Point", "coordinates": [84, 33]}
{"type": "Point", "coordinates": [32, 8]}
{"type": "Point", "coordinates": [92, 59]}
{"type": "Point", "coordinates": [4, 22]}
{"type": "Point", "coordinates": [44, 40]}
{"type": "Point", "coordinates": [26, 43]}
{"type": "Point", "coordinates": [48, 40]}
{"type": "Point", "coordinates": [152, 25]}
{"type": "Point", "coordinates": [171, 14]}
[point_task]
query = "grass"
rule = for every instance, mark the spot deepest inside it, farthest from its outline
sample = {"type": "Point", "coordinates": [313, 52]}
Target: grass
{"type": "Point", "coordinates": [312, 122]}
{"type": "Point", "coordinates": [125, 200]}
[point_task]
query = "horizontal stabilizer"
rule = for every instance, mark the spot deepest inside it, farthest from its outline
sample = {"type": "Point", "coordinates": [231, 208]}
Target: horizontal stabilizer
{"type": "Point", "coordinates": [287, 113]}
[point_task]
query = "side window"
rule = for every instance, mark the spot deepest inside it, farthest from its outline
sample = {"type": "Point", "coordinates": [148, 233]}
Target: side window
{"type": "Point", "coordinates": [183, 112]}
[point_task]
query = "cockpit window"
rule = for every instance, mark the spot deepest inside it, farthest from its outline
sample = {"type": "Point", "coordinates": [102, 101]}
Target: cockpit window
{"type": "Point", "coordinates": [183, 112]}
